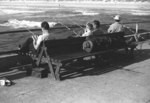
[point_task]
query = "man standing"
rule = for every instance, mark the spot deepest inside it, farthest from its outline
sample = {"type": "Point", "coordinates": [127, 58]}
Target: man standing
{"type": "Point", "coordinates": [116, 27]}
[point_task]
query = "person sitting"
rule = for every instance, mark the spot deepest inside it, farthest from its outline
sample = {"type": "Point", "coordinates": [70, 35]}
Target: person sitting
{"type": "Point", "coordinates": [32, 43]}
{"type": "Point", "coordinates": [88, 30]}
{"type": "Point", "coordinates": [97, 30]}
{"type": "Point", "coordinates": [116, 26]}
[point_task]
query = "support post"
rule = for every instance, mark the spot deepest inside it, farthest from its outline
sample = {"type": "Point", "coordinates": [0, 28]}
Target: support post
{"type": "Point", "coordinates": [57, 71]}
{"type": "Point", "coordinates": [40, 56]}
{"type": "Point", "coordinates": [51, 69]}
{"type": "Point", "coordinates": [136, 32]}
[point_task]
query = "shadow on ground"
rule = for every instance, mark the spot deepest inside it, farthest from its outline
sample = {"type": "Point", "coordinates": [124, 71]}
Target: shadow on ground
{"type": "Point", "coordinates": [107, 63]}
{"type": "Point", "coordinates": [113, 62]}
{"type": "Point", "coordinates": [14, 67]}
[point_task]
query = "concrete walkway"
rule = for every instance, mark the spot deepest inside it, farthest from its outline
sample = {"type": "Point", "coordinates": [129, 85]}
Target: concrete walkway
{"type": "Point", "coordinates": [130, 84]}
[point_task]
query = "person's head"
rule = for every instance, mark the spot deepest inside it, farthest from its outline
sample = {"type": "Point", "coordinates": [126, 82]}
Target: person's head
{"type": "Point", "coordinates": [117, 18]}
{"type": "Point", "coordinates": [89, 26]}
{"type": "Point", "coordinates": [45, 25]}
{"type": "Point", "coordinates": [96, 24]}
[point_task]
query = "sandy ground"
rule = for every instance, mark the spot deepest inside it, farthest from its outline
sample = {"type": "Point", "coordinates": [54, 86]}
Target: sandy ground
{"type": "Point", "coordinates": [127, 84]}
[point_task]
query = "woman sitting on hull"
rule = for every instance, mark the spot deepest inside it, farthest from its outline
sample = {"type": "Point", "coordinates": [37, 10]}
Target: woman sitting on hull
{"type": "Point", "coordinates": [88, 30]}
{"type": "Point", "coordinates": [32, 43]}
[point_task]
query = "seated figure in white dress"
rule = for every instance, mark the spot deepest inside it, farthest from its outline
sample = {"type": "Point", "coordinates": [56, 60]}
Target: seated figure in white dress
{"type": "Point", "coordinates": [88, 30]}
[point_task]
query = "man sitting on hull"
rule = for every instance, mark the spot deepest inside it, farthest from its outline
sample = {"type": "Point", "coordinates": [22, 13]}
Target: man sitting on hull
{"type": "Point", "coordinates": [116, 26]}
{"type": "Point", "coordinates": [33, 42]}
{"type": "Point", "coordinates": [97, 30]}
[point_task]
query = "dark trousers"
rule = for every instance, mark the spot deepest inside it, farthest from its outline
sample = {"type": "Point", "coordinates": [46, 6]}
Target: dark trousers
{"type": "Point", "coordinates": [27, 46]}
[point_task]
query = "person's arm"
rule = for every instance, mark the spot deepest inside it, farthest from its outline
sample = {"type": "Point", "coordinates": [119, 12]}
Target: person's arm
{"type": "Point", "coordinates": [34, 37]}
{"type": "Point", "coordinates": [36, 43]}
{"type": "Point", "coordinates": [109, 30]}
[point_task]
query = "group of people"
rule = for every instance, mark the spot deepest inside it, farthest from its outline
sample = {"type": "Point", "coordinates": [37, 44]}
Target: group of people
{"type": "Point", "coordinates": [93, 28]}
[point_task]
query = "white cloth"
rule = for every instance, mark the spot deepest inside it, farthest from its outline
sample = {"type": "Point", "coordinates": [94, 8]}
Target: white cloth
{"type": "Point", "coordinates": [87, 33]}
{"type": "Point", "coordinates": [115, 27]}
{"type": "Point", "coordinates": [41, 38]}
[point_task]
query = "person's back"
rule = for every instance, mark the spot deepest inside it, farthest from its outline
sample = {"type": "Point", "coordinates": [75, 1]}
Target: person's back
{"type": "Point", "coordinates": [33, 43]}
{"type": "Point", "coordinates": [45, 35]}
{"type": "Point", "coordinates": [97, 30]}
{"type": "Point", "coordinates": [116, 27]}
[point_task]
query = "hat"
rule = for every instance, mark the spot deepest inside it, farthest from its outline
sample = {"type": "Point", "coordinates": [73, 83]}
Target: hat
{"type": "Point", "coordinates": [117, 17]}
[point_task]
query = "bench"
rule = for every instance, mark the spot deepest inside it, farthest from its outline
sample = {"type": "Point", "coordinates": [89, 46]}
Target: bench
{"type": "Point", "coordinates": [56, 53]}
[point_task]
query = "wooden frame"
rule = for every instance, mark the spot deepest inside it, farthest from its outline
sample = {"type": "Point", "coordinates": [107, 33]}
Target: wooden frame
{"type": "Point", "coordinates": [55, 65]}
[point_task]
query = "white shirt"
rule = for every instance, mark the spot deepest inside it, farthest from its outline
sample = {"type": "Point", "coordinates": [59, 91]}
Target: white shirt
{"type": "Point", "coordinates": [115, 27]}
{"type": "Point", "coordinates": [39, 39]}
{"type": "Point", "coordinates": [87, 33]}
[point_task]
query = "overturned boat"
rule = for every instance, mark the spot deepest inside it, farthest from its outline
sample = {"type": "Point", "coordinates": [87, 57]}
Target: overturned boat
{"type": "Point", "coordinates": [54, 55]}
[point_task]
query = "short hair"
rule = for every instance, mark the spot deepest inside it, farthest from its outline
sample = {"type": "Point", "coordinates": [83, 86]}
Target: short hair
{"type": "Point", "coordinates": [45, 25]}
{"type": "Point", "coordinates": [97, 23]}
{"type": "Point", "coordinates": [117, 20]}
{"type": "Point", "coordinates": [90, 26]}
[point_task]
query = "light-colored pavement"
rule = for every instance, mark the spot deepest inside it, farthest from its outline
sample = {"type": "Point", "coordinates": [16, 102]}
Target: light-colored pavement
{"type": "Point", "coordinates": [130, 84]}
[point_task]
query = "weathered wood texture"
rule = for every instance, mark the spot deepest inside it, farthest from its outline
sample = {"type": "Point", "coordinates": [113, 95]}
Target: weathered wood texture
{"type": "Point", "coordinates": [59, 52]}
{"type": "Point", "coordinates": [104, 42]}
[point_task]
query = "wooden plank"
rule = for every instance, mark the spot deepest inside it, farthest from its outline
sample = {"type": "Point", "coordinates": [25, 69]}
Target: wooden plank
{"type": "Point", "coordinates": [141, 42]}
{"type": "Point", "coordinates": [67, 57]}
{"type": "Point", "coordinates": [51, 68]}
{"type": "Point", "coordinates": [14, 74]}
{"type": "Point", "coordinates": [137, 34]}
